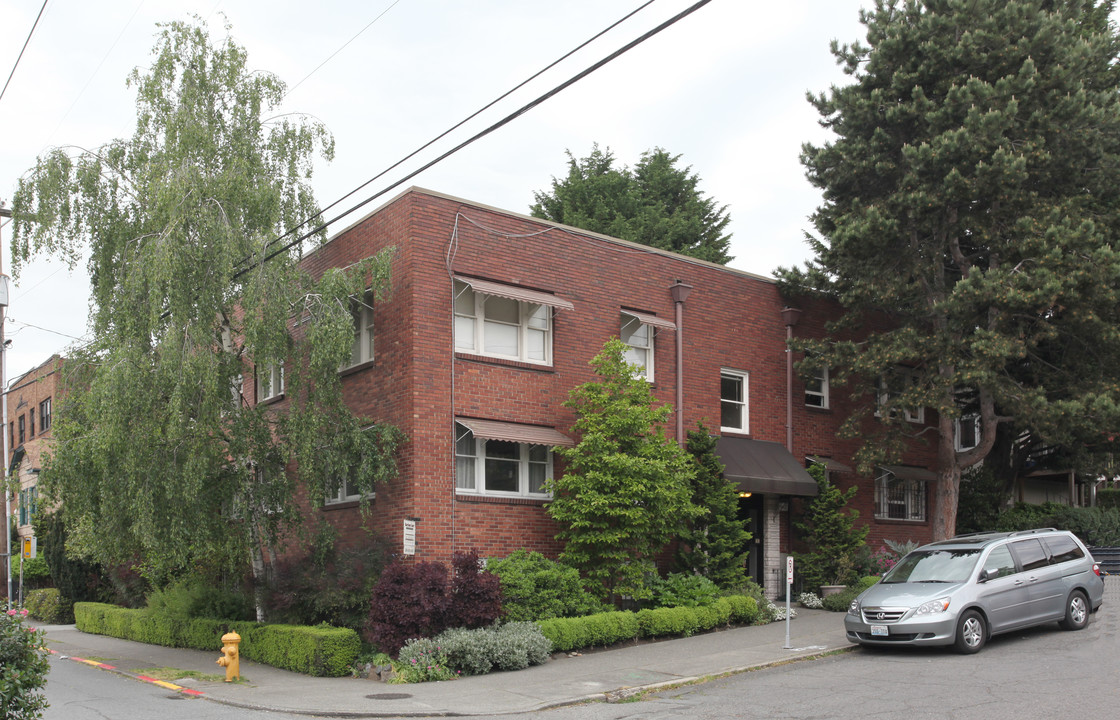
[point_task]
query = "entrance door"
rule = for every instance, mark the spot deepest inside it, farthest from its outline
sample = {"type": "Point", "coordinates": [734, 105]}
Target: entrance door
{"type": "Point", "coordinates": [750, 509]}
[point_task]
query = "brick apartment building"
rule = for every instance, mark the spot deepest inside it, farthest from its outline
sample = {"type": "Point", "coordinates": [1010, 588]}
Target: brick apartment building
{"type": "Point", "coordinates": [493, 319]}
{"type": "Point", "coordinates": [30, 415]}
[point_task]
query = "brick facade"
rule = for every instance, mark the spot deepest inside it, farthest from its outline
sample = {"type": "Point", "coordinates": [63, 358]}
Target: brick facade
{"type": "Point", "coordinates": [417, 381]}
{"type": "Point", "coordinates": [31, 406]}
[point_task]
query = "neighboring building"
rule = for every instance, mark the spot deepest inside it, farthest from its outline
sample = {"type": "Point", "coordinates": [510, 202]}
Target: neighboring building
{"type": "Point", "coordinates": [493, 319]}
{"type": "Point", "coordinates": [30, 400]}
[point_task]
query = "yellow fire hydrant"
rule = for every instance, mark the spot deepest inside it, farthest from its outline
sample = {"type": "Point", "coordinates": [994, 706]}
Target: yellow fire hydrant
{"type": "Point", "coordinates": [231, 658]}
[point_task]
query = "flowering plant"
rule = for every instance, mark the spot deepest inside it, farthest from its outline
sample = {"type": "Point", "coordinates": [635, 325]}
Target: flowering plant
{"type": "Point", "coordinates": [23, 668]}
{"type": "Point", "coordinates": [883, 560]}
{"type": "Point", "coordinates": [422, 660]}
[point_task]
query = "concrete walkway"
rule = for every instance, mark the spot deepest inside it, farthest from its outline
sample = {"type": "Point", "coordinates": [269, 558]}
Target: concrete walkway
{"type": "Point", "coordinates": [594, 676]}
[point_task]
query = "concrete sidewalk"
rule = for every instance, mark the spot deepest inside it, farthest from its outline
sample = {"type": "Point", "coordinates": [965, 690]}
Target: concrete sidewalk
{"type": "Point", "coordinates": [594, 676]}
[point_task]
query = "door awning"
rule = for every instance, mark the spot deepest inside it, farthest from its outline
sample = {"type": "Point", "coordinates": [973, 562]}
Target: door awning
{"type": "Point", "coordinates": [906, 472]}
{"type": "Point", "coordinates": [763, 467]}
{"type": "Point", "coordinates": [830, 464]}
{"type": "Point", "coordinates": [486, 287]}
{"type": "Point", "coordinates": [515, 432]}
{"type": "Point", "coordinates": [652, 320]}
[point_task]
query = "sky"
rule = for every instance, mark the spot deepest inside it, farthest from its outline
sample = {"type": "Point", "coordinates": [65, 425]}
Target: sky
{"type": "Point", "coordinates": [725, 88]}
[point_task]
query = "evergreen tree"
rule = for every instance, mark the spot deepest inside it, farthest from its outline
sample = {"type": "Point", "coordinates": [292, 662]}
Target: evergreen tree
{"type": "Point", "coordinates": [625, 490]}
{"type": "Point", "coordinates": [657, 204]}
{"type": "Point", "coordinates": [157, 458]}
{"type": "Point", "coordinates": [969, 225]}
{"type": "Point", "coordinates": [829, 529]}
{"type": "Point", "coordinates": [714, 545]}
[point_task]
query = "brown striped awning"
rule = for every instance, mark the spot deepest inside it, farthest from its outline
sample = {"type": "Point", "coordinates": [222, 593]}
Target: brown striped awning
{"type": "Point", "coordinates": [513, 292]}
{"type": "Point", "coordinates": [515, 432]}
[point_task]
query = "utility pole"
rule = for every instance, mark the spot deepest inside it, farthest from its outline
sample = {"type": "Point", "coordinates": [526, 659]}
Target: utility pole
{"type": "Point", "coordinates": [5, 213]}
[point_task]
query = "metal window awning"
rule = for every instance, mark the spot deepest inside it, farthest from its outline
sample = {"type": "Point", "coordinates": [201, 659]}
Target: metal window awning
{"type": "Point", "coordinates": [652, 320]}
{"type": "Point", "coordinates": [764, 467]}
{"type": "Point", "coordinates": [486, 287]}
{"type": "Point", "coordinates": [829, 464]}
{"type": "Point", "coordinates": [515, 432]}
{"type": "Point", "coordinates": [907, 472]}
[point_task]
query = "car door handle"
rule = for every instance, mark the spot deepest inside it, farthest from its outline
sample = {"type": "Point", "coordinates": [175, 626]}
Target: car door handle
{"type": "Point", "coordinates": [1018, 583]}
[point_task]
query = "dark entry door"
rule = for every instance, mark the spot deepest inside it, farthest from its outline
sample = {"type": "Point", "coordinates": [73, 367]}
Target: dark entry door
{"type": "Point", "coordinates": [750, 509]}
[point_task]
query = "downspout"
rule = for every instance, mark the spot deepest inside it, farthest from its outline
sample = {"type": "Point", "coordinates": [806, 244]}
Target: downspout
{"type": "Point", "coordinates": [790, 316]}
{"type": "Point", "coordinates": [680, 291]}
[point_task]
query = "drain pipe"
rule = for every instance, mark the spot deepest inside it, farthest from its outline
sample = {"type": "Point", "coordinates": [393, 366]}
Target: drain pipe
{"type": "Point", "coordinates": [790, 316]}
{"type": "Point", "coordinates": [680, 291]}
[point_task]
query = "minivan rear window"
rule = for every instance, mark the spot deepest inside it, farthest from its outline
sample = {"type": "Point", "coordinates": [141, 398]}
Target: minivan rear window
{"type": "Point", "coordinates": [1063, 549]}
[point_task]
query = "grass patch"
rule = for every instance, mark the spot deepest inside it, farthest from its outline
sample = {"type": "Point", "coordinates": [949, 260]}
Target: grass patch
{"type": "Point", "coordinates": [170, 674]}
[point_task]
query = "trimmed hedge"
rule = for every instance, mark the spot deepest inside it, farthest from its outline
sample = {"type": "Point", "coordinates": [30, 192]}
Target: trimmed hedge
{"type": "Point", "coordinates": [322, 650]}
{"type": "Point", "coordinates": [608, 628]}
{"type": "Point", "coordinates": [48, 605]}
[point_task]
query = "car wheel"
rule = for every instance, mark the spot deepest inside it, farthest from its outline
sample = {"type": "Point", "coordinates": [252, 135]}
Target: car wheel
{"type": "Point", "coordinates": [972, 632]}
{"type": "Point", "coordinates": [1077, 612]}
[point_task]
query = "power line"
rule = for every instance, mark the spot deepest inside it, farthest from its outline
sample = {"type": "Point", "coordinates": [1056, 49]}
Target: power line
{"type": "Point", "coordinates": [501, 123]}
{"type": "Point", "coordinates": [25, 42]}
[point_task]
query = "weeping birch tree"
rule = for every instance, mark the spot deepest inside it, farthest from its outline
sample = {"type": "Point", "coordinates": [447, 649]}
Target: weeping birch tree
{"type": "Point", "coordinates": [158, 459]}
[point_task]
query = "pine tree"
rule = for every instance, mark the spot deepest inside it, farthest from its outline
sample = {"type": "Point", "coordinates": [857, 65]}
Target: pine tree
{"type": "Point", "coordinates": [714, 545]}
{"type": "Point", "coordinates": [657, 204]}
{"type": "Point", "coordinates": [969, 225]}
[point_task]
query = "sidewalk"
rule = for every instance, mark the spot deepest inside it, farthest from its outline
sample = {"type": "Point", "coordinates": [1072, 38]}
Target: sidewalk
{"type": "Point", "coordinates": [595, 676]}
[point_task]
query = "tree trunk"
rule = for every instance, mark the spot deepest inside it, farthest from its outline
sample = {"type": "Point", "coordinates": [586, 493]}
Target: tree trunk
{"type": "Point", "coordinates": [947, 490]}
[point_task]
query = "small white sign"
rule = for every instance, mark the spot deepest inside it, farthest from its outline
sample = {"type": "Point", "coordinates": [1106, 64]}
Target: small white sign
{"type": "Point", "coordinates": [789, 570]}
{"type": "Point", "coordinates": [409, 537]}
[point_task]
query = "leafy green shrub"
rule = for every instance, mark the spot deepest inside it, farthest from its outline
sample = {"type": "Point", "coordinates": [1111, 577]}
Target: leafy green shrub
{"type": "Point", "coordinates": [839, 602]}
{"type": "Point", "coordinates": [513, 646]}
{"type": "Point", "coordinates": [23, 668]}
{"type": "Point", "coordinates": [1108, 498]}
{"type": "Point", "coordinates": [832, 535]}
{"type": "Point", "coordinates": [536, 588]}
{"type": "Point", "coordinates": [667, 621]}
{"type": "Point", "coordinates": [47, 605]}
{"type": "Point", "coordinates": [188, 598]}
{"type": "Point", "coordinates": [683, 590]}
{"type": "Point", "coordinates": [422, 660]}
{"type": "Point", "coordinates": [1095, 526]}
{"type": "Point", "coordinates": [320, 650]}
{"type": "Point", "coordinates": [36, 574]}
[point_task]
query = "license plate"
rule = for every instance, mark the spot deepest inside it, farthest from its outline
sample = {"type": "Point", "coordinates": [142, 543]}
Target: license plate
{"type": "Point", "coordinates": [879, 631]}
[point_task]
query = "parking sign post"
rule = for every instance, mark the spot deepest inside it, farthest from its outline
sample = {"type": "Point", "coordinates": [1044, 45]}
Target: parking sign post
{"type": "Point", "coordinates": [789, 589]}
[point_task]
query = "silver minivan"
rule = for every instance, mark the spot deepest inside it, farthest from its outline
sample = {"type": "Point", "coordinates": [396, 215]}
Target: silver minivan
{"type": "Point", "coordinates": [962, 591]}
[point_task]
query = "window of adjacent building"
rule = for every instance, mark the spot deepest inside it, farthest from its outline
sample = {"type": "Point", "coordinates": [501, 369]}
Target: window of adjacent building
{"type": "Point", "coordinates": [891, 386]}
{"type": "Point", "coordinates": [22, 428]}
{"type": "Point", "coordinates": [638, 337]}
{"type": "Point", "coordinates": [361, 314]}
{"type": "Point", "coordinates": [733, 395]}
{"type": "Point", "coordinates": [346, 491]}
{"type": "Point", "coordinates": [31, 422]}
{"type": "Point", "coordinates": [899, 498]}
{"type": "Point", "coordinates": [500, 467]}
{"type": "Point", "coordinates": [45, 415]}
{"type": "Point", "coordinates": [28, 500]}
{"type": "Point", "coordinates": [816, 389]}
{"type": "Point", "coordinates": [270, 381]}
{"type": "Point", "coordinates": [966, 432]}
{"type": "Point", "coordinates": [12, 433]}
{"type": "Point", "coordinates": [502, 327]}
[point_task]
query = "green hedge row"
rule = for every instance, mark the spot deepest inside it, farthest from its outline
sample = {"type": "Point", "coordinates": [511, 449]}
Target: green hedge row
{"type": "Point", "coordinates": [608, 628]}
{"type": "Point", "coordinates": [321, 650]}
{"type": "Point", "coordinates": [47, 605]}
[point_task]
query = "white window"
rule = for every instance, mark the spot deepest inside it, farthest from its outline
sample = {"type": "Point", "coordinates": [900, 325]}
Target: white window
{"type": "Point", "coordinates": [502, 327]}
{"type": "Point", "coordinates": [891, 387]}
{"type": "Point", "coordinates": [500, 467]}
{"type": "Point", "coordinates": [733, 396]}
{"type": "Point", "coordinates": [966, 432]}
{"type": "Point", "coordinates": [361, 314]}
{"type": "Point", "coordinates": [638, 337]}
{"type": "Point", "coordinates": [346, 491]}
{"type": "Point", "coordinates": [270, 381]}
{"type": "Point", "coordinates": [899, 498]}
{"type": "Point", "coordinates": [816, 389]}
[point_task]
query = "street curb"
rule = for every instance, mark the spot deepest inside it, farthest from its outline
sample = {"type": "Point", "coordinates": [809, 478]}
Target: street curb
{"type": "Point", "coordinates": [143, 678]}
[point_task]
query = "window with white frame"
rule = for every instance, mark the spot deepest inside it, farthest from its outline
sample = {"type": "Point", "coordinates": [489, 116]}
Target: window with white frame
{"type": "Point", "coordinates": [500, 467]}
{"type": "Point", "coordinates": [361, 314]}
{"type": "Point", "coordinates": [733, 397]}
{"type": "Point", "coordinates": [502, 327]}
{"type": "Point", "coordinates": [816, 389]}
{"type": "Point", "coordinates": [270, 381]}
{"type": "Point", "coordinates": [891, 387]}
{"type": "Point", "coordinates": [45, 415]}
{"type": "Point", "coordinates": [966, 432]}
{"type": "Point", "coordinates": [638, 337]}
{"type": "Point", "coordinates": [898, 498]}
{"type": "Point", "coordinates": [346, 491]}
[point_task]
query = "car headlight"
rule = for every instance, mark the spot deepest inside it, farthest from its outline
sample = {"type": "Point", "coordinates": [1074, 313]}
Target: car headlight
{"type": "Point", "coordinates": [939, 605]}
{"type": "Point", "coordinates": [853, 608]}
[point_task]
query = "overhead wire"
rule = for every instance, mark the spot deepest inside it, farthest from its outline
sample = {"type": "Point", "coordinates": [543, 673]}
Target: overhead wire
{"type": "Point", "coordinates": [25, 43]}
{"type": "Point", "coordinates": [501, 123]}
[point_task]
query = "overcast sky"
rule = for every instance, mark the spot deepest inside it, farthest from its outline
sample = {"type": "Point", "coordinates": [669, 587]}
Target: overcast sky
{"type": "Point", "coordinates": [724, 88]}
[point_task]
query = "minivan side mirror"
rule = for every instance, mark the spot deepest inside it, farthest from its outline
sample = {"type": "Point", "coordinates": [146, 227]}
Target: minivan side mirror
{"type": "Point", "coordinates": [984, 576]}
